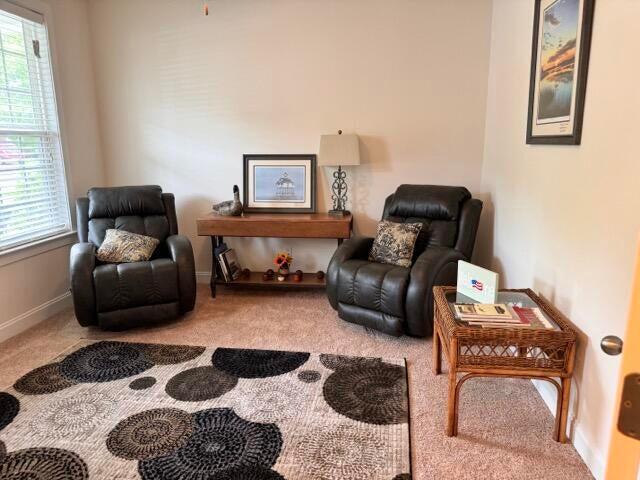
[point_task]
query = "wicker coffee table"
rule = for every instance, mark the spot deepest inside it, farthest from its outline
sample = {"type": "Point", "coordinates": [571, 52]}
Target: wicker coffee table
{"type": "Point", "coordinates": [504, 352]}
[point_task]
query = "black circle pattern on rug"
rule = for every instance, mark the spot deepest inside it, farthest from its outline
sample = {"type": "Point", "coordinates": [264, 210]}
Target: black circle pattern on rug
{"type": "Point", "coordinates": [200, 383]}
{"type": "Point", "coordinates": [222, 446]}
{"type": "Point", "coordinates": [309, 376]}
{"type": "Point", "coordinates": [142, 383]}
{"type": "Point", "coordinates": [334, 362]}
{"type": "Point", "coordinates": [43, 464]}
{"type": "Point", "coordinates": [171, 354]}
{"type": "Point", "coordinates": [245, 363]}
{"type": "Point", "coordinates": [374, 394]}
{"type": "Point", "coordinates": [9, 408]}
{"type": "Point", "coordinates": [150, 434]}
{"type": "Point", "coordinates": [104, 362]}
{"type": "Point", "coordinates": [43, 380]}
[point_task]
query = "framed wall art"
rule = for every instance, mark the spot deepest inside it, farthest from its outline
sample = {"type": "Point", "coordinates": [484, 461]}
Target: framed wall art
{"type": "Point", "coordinates": [559, 65]}
{"type": "Point", "coordinates": [280, 183]}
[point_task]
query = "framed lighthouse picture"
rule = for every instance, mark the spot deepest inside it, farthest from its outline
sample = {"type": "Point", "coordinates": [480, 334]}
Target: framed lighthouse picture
{"type": "Point", "coordinates": [559, 65]}
{"type": "Point", "coordinates": [280, 183]}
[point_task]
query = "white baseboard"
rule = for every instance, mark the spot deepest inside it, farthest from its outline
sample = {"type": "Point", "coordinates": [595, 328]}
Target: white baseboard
{"type": "Point", "coordinates": [593, 460]}
{"type": "Point", "coordinates": [28, 319]}
{"type": "Point", "coordinates": [203, 277]}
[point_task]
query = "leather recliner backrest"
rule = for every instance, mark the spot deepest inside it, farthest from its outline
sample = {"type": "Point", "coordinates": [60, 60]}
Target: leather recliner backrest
{"type": "Point", "coordinates": [437, 207]}
{"type": "Point", "coordinates": [139, 209]}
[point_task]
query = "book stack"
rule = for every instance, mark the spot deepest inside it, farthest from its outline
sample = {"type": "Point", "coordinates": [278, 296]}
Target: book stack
{"type": "Point", "coordinates": [228, 261]}
{"type": "Point", "coordinates": [501, 315]}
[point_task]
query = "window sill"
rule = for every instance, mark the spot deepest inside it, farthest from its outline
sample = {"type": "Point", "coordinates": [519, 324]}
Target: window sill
{"type": "Point", "coordinates": [38, 247]}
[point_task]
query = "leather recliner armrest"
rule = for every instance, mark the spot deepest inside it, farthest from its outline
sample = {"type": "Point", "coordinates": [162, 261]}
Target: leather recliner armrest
{"type": "Point", "coordinates": [357, 247]}
{"type": "Point", "coordinates": [435, 266]}
{"type": "Point", "coordinates": [181, 253]}
{"type": "Point", "coordinates": [82, 261]}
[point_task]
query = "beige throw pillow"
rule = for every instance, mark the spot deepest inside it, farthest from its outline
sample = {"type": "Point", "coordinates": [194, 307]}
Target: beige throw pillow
{"type": "Point", "coordinates": [394, 243]}
{"type": "Point", "coordinates": [120, 246]}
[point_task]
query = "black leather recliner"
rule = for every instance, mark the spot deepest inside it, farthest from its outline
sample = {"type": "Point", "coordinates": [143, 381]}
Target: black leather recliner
{"type": "Point", "coordinates": [399, 300]}
{"type": "Point", "coordinates": [126, 295]}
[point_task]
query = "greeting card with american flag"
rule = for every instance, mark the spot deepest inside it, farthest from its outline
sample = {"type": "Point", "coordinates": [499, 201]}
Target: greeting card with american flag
{"type": "Point", "coordinates": [477, 283]}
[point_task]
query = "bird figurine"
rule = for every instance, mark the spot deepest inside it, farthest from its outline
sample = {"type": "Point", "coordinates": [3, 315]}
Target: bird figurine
{"type": "Point", "coordinates": [230, 208]}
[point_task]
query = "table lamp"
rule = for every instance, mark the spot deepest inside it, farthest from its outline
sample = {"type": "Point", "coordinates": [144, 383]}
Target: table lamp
{"type": "Point", "coordinates": [338, 151]}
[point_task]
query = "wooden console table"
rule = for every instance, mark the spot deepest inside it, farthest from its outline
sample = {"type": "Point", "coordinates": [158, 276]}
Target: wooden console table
{"type": "Point", "coordinates": [299, 225]}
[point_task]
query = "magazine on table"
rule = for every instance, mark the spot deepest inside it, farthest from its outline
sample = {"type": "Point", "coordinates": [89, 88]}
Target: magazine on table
{"type": "Point", "coordinates": [483, 311]}
{"type": "Point", "coordinates": [502, 315]}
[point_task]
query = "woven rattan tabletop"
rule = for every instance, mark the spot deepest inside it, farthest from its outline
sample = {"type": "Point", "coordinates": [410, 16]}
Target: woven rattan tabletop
{"type": "Point", "coordinates": [453, 328]}
{"type": "Point", "coordinates": [506, 347]}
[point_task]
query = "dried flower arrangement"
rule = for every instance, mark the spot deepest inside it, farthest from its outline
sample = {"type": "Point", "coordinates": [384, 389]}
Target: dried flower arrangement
{"type": "Point", "coordinates": [283, 261]}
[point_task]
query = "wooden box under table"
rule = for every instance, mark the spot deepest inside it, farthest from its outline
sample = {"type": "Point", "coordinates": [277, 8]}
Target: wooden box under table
{"type": "Point", "coordinates": [513, 352]}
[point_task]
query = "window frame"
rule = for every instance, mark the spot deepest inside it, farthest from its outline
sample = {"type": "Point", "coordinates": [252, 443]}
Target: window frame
{"type": "Point", "coordinates": [42, 244]}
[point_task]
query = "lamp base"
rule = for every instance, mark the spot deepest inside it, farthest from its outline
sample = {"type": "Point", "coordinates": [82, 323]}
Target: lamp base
{"type": "Point", "coordinates": [339, 213]}
{"type": "Point", "coordinates": [339, 193]}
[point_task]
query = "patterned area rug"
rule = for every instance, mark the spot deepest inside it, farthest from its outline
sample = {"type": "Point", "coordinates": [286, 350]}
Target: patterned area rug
{"type": "Point", "coordinates": [131, 410]}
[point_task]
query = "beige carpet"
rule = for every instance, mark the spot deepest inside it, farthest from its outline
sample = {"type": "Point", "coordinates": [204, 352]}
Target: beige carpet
{"type": "Point", "coordinates": [505, 428]}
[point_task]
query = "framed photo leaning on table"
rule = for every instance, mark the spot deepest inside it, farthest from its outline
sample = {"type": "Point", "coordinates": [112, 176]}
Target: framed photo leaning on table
{"type": "Point", "coordinates": [559, 65]}
{"type": "Point", "coordinates": [280, 183]}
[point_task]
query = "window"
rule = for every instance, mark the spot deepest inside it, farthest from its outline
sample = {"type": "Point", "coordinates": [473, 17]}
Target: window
{"type": "Point", "coordinates": [33, 195]}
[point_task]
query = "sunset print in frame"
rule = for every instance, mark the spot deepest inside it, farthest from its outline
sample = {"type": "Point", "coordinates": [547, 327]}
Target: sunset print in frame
{"type": "Point", "coordinates": [559, 65]}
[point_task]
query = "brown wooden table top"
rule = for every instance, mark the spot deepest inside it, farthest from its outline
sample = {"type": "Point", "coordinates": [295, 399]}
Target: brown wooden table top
{"type": "Point", "coordinates": [277, 217]}
{"type": "Point", "coordinates": [285, 225]}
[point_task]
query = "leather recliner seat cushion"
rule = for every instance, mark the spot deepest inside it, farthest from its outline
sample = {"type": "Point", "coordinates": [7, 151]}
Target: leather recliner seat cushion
{"type": "Point", "coordinates": [129, 285]}
{"type": "Point", "coordinates": [373, 286]}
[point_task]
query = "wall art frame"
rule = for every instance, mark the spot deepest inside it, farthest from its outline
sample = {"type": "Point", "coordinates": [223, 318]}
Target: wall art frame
{"type": "Point", "coordinates": [276, 183]}
{"type": "Point", "coordinates": [559, 68]}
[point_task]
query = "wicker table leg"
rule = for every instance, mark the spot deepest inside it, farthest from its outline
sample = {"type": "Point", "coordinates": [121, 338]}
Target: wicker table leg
{"type": "Point", "coordinates": [564, 410]}
{"type": "Point", "coordinates": [437, 351]}
{"type": "Point", "coordinates": [562, 405]}
{"type": "Point", "coordinates": [452, 404]}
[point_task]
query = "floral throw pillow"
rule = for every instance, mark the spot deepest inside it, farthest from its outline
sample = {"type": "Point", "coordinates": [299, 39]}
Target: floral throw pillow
{"type": "Point", "coordinates": [125, 247]}
{"type": "Point", "coordinates": [394, 243]}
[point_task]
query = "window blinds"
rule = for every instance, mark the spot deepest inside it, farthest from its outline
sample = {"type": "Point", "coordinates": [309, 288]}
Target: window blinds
{"type": "Point", "coordinates": [33, 195]}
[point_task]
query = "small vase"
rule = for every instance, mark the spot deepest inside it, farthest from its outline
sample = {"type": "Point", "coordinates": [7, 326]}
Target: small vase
{"type": "Point", "coordinates": [283, 273]}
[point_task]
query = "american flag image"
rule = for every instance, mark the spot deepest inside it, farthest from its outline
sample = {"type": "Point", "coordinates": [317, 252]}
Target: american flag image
{"type": "Point", "coordinates": [477, 285]}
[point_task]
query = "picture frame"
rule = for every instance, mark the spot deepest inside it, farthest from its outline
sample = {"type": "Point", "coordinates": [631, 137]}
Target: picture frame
{"type": "Point", "coordinates": [559, 67]}
{"type": "Point", "coordinates": [279, 183]}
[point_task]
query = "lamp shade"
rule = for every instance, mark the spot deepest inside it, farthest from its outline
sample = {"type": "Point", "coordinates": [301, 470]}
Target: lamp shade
{"type": "Point", "coordinates": [338, 150]}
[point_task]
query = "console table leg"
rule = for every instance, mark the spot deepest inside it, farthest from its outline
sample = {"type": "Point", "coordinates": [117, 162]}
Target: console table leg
{"type": "Point", "coordinates": [216, 241]}
{"type": "Point", "coordinates": [340, 241]}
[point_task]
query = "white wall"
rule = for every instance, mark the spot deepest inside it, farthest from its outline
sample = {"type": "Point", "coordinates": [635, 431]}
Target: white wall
{"type": "Point", "coordinates": [33, 288]}
{"type": "Point", "coordinates": [182, 97]}
{"type": "Point", "coordinates": [564, 219]}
